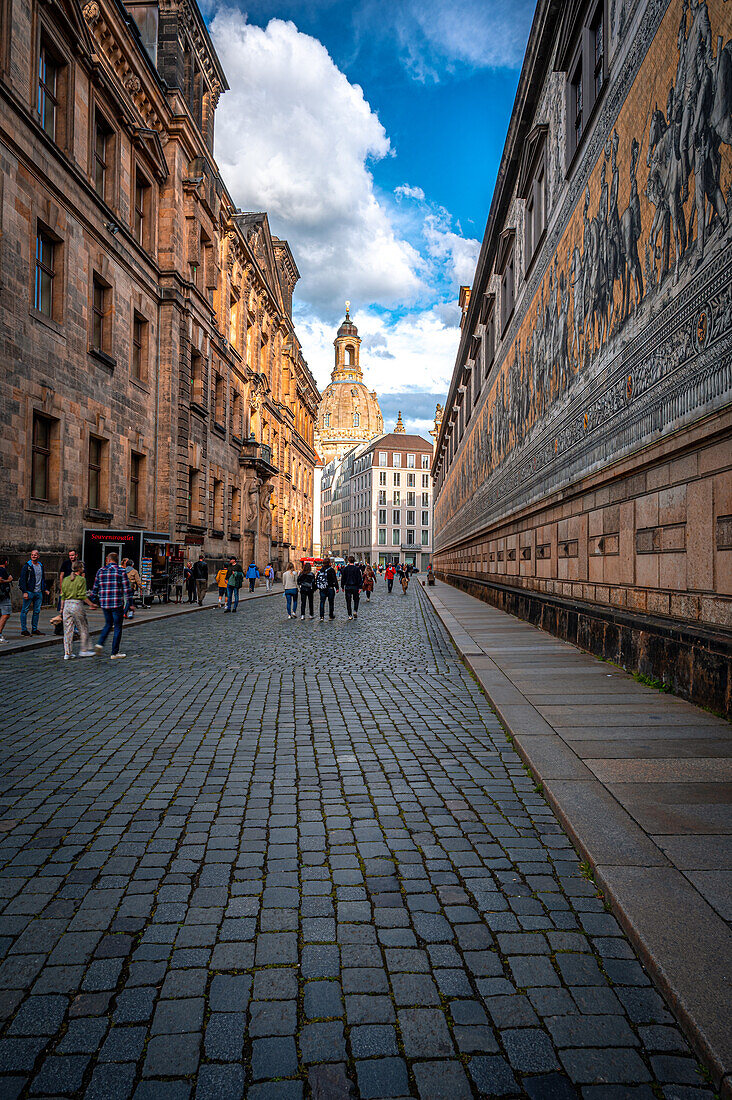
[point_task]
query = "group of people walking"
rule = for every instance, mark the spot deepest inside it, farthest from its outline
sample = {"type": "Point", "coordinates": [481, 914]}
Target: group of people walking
{"type": "Point", "coordinates": [353, 579]}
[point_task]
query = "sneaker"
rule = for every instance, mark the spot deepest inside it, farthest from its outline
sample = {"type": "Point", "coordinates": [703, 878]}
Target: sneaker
{"type": "Point", "coordinates": [37, 632]}
{"type": "Point", "coordinates": [3, 639]}
{"type": "Point", "coordinates": [87, 653]}
{"type": "Point", "coordinates": [69, 656]}
{"type": "Point", "coordinates": [25, 633]}
{"type": "Point", "coordinates": [350, 617]}
{"type": "Point", "coordinates": [117, 656]}
{"type": "Point", "coordinates": [98, 648]}
{"type": "Point", "coordinates": [227, 610]}
{"type": "Point", "coordinates": [355, 614]}
{"type": "Point", "coordinates": [331, 616]}
{"type": "Point", "coordinates": [302, 618]}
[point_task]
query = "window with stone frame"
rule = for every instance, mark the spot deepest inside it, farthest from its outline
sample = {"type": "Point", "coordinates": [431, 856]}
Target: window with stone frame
{"type": "Point", "coordinates": [237, 415]}
{"type": "Point", "coordinates": [44, 443]}
{"type": "Point", "coordinates": [47, 277]}
{"type": "Point", "coordinates": [488, 320]}
{"type": "Point", "coordinates": [103, 146]}
{"type": "Point", "coordinates": [52, 92]}
{"type": "Point", "coordinates": [219, 400]}
{"type": "Point", "coordinates": [142, 220]}
{"type": "Point", "coordinates": [582, 54]}
{"type": "Point", "coordinates": [197, 378]}
{"type": "Point", "coordinates": [194, 489]}
{"type": "Point", "coordinates": [506, 270]}
{"type": "Point", "coordinates": [217, 504]}
{"type": "Point", "coordinates": [235, 508]}
{"type": "Point", "coordinates": [136, 497]}
{"type": "Point", "coordinates": [532, 189]}
{"type": "Point", "coordinates": [96, 495]}
{"type": "Point", "coordinates": [101, 316]}
{"type": "Point", "coordinates": [139, 358]}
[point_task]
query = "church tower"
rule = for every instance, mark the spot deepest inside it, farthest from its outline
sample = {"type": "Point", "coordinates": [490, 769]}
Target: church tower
{"type": "Point", "coordinates": [349, 412]}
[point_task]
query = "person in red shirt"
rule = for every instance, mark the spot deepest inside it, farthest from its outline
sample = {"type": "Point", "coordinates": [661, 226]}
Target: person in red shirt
{"type": "Point", "coordinates": [390, 573]}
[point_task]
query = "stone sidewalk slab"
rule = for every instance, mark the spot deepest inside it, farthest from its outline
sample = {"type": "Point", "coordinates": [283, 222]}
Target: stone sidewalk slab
{"type": "Point", "coordinates": [641, 782]}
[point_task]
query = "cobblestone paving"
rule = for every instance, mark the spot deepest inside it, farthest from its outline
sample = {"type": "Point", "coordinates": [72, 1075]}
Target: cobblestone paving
{"type": "Point", "coordinates": [279, 859]}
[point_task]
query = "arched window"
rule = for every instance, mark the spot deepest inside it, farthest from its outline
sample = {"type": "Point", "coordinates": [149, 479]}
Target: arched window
{"type": "Point", "coordinates": [326, 420]}
{"type": "Point", "coordinates": [350, 354]}
{"type": "Point", "coordinates": [356, 420]}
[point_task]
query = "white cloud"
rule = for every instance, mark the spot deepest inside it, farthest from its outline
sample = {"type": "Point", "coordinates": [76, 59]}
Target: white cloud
{"type": "Point", "coordinates": [436, 37]}
{"type": "Point", "coordinates": [404, 191]}
{"type": "Point", "coordinates": [295, 138]}
{"type": "Point", "coordinates": [461, 253]}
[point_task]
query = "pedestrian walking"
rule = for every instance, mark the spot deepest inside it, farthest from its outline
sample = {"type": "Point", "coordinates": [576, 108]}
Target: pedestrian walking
{"type": "Point", "coordinates": [6, 606]}
{"type": "Point", "coordinates": [369, 580]}
{"type": "Point", "coordinates": [73, 598]}
{"type": "Point", "coordinates": [430, 576]}
{"type": "Point", "coordinates": [200, 575]}
{"type": "Point", "coordinates": [306, 584]}
{"type": "Point", "coordinates": [64, 571]}
{"type": "Point", "coordinates": [189, 581]}
{"type": "Point", "coordinates": [389, 574]}
{"type": "Point", "coordinates": [135, 586]}
{"type": "Point", "coordinates": [110, 591]}
{"type": "Point", "coordinates": [234, 581]}
{"type": "Point", "coordinates": [252, 575]}
{"type": "Point", "coordinates": [221, 581]}
{"type": "Point", "coordinates": [404, 578]}
{"type": "Point", "coordinates": [289, 584]}
{"type": "Point", "coordinates": [32, 589]}
{"type": "Point", "coordinates": [326, 581]}
{"type": "Point", "coordinates": [351, 583]}
{"type": "Point", "coordinates": [269, 576]}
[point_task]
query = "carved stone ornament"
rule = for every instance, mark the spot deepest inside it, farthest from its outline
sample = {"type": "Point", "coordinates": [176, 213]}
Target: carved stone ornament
{"type": "Point", "coordinates": [215, 93]}
{"type": "Point", "coordinates": [92, 12]}
{"type": "Point", "coordinates": [132, 84]}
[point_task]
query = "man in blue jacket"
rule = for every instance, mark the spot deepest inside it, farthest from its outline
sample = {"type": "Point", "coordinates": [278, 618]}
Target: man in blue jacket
{"type": "Point", "coordinates": [32, 588]}
{"type": "Point", "coordinates": [252, 574]}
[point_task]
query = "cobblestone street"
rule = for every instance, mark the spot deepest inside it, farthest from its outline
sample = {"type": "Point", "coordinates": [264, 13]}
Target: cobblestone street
{"type": "Point", "coordinates": [278, 859]}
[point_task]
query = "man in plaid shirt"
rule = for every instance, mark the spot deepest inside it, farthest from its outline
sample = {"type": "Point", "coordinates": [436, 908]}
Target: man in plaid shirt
{"type": "Point", "coordinates": [110, 592]}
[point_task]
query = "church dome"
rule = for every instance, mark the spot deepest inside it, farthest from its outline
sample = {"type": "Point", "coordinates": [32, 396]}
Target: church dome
{"type": "Point", "coordinates": [349, 412]}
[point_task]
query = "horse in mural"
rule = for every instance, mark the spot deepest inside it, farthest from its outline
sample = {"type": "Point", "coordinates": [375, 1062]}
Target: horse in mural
{"type": "Point", "coordinates": [630, 231]}
{"type": "Point", "coordinates": [663, 190]}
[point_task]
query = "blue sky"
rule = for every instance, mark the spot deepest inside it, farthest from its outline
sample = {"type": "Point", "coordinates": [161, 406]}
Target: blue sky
{"type": "Point", "coordinates": [371, 132]}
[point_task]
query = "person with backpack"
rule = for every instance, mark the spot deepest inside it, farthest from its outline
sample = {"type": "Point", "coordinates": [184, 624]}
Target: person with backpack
{"type": "Point", "coordinates": [306, 584]}
{"type": "Point", "coordinates": [252, 575]}
{"type": "Point", "coordinates": [221, 583]}
{"type": "Point", "coordinates": [269, 576]}
{"type": "Point", "coordinates": [326, 581]}
{"type": "Point", "coordinates": [351, 583]}
{"type": "Point", "coordinates": [234, 581]}
{"type": "Point", "coordinates": [389, 574]}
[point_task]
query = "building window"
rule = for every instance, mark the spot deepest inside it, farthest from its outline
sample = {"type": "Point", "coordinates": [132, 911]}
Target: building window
{"type": "Point", "coordinates": [382, 477]}
{"type": "Point", "coordinates": [137, 465]}
{"type": "Point", "coordinates": [235, 507]}
{"type": "Point", "coordinates": [396, 460]}
{"type": "Point", "coordinates": [219, 405]}
{"type": "Point", "coordinates": [411, 519]}
{"type": "Point", "coordinates": [397, 479]}
{"type": "Point", "coordinates": [101, 311]}
{"type": "Point", "coordinates": [395, 537]}
{"type": "Point", "coordinates": [425, 519]}
{"type": "Point", "coordinates": [94, 496]}
{"type": "Point", "coordinates": [139, 346]}
{"type": "Point", "coordinates": [425, 538]}
{"type": "Point", "coordinates": [102, 155]}
{"type": "Point", "coordinates": [237, 424]}
{"type": "Point", "coordinates": [382, 496]}
{"type": "Point", "coordinates": [489, 339]}
{"type": "Point", "coordinates": [193, 486]}
{"type": "Point", "coordinates": [382, 515]}
{"type": "Point", "coordinates": [197, 377]}
{"type": "Point", "coordinates": [46, 255]}
{"type": "Point", "coordinates": [508, 288]}
{"type": "Point", "coordinates": [356, 420]}
{"type": "Point", "coordinates": [535, 210]}
{"type": "Point", "coordinates": [382, 536]}
{"type": "Point", "coordinates": [382, 458]}
{"type": "Point", "coordinates": [411, 500]}
{"type": "Point", "coordinates": [397, 496]}
{"type": "Point", "coordinates": [410, 537]}
{"type": "Point", "coordinates": [326, 420]}
{"type": "Point", "coordinates": [425, 481]}
{"type": "Point", "coordinates": [410, 461]}
{"type": "Point", "coordinates": [396, 516]}
{"type": "Point", "coordinates": [425, 462]}
{"type": "Point", "coordinates": [41, 457]}
{"type": "Point", "coordinates": [410, 480]}
{"type": "Point", "coordinates": [142, 219]}
{"type": "Point", "coordinates": [218, 505]}
{"type": "Point", "coordinates": [587, 74]}
{"type": "Point", "coordinates": [49, 90]}
{"type": "Point", "coordinates": [425, 500]}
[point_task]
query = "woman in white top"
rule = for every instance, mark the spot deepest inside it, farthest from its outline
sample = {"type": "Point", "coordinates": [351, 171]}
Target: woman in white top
{"type": "Point", "coordinates": [289, 583]}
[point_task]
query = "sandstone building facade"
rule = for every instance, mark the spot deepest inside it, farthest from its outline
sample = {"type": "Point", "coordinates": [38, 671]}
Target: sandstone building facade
{"type": "Point", "coordinates": [152, 378]}
{"type": "Point", "coordinates": [582, 468]}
